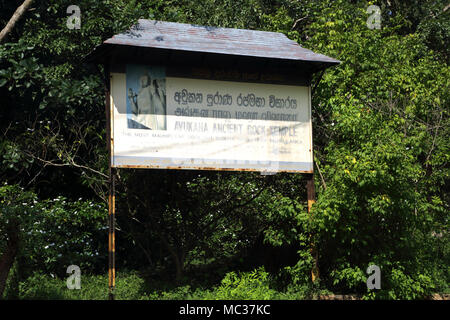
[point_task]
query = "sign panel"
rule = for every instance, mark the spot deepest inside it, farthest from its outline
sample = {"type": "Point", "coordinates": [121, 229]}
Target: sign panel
{"type": "Point", "coordinates": [158, 121]}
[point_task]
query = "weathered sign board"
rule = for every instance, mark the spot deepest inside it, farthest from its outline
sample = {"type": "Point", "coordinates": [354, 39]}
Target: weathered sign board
{"type": "Point", "coordinates": [163, 121]}
{"type": "Point", "coordinates": [183, 96]}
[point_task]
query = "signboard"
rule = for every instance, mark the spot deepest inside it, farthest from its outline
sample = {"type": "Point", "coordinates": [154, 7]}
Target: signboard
{"type": "Point", "coordinates": [162, 121]}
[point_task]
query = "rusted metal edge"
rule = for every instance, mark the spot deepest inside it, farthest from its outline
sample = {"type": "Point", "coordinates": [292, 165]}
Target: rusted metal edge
{"type": "Point", "coordinates": [206, 168]}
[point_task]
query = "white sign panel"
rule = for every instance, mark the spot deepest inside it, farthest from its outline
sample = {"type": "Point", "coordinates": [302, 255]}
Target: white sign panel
{"type": "Point", "coordinates": [169, 122]}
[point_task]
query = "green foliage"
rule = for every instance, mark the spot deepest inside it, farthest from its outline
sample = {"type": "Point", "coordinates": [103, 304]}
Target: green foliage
{"type": "Point", "coordinates": [17, 210]}
{"type": "Point", "coordinates": [45, 287]}
{"type": "Point", "coordinates": [381, 130]}
{"type": "Point", "coordinates": [245, 286]}
{"type": "Point", "coordinates": [255, 285]}
{"type": "Point", "coordinates": [67, 233]}
{"type": "Point", "coordinates": [385, 103]}
{"type": "Point", "coordinates": [53, 234]}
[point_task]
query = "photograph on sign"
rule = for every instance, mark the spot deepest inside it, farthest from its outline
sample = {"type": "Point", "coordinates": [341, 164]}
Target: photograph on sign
{"type": "Point", "coordinates": [146, 103]}
{"type": "Point", "coordinates": [160, 121]}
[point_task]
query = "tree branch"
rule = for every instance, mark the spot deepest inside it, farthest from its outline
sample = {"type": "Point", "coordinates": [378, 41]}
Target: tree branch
{"type": "Point", "coordinates": [15, 17]}
{"type": "Point", "coordinates": [321, 176]}
{"type": "Point", "coordinates": [297, 21]}
{"type": "Point", "coordinates": [71, 163]}
{"type": "Point", "coordinates": [434, 141]}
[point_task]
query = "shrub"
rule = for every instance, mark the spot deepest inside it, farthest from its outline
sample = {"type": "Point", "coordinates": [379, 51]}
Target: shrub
{"type": "Point", "coordinates": [93, 287]}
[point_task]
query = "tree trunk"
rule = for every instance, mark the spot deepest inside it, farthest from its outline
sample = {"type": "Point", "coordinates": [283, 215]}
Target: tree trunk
{"type": "Point", "coordinates": [179, 263]}
{"type": "Point", "coordinates": [179, 268]}
{"type": "Point", "coordinates": [8, 257]}
{"type": "Point", "coordinates": [178, 257]}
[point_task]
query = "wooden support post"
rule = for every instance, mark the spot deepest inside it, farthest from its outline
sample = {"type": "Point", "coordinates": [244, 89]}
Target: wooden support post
{"type": "Point", "coordinates": [311, 194]}
{"type": "Point", "coordinates": [111, 192]}
{"type": "Point", "coordinates": [112, 238]}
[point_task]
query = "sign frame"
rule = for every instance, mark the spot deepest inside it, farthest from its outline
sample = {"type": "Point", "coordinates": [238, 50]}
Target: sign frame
{"type": "Point", "coordinates": [194, 51]}
{"type": "Point", "coordinates": [276, 79]}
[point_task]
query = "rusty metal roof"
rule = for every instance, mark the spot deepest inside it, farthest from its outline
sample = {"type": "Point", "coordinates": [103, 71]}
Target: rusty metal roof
{"type": "Point", "coordinates": [195, 38]}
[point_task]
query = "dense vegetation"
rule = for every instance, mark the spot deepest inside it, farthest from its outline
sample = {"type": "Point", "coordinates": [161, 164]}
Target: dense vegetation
{"type": "Point", "coordinates": [381, 131]}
